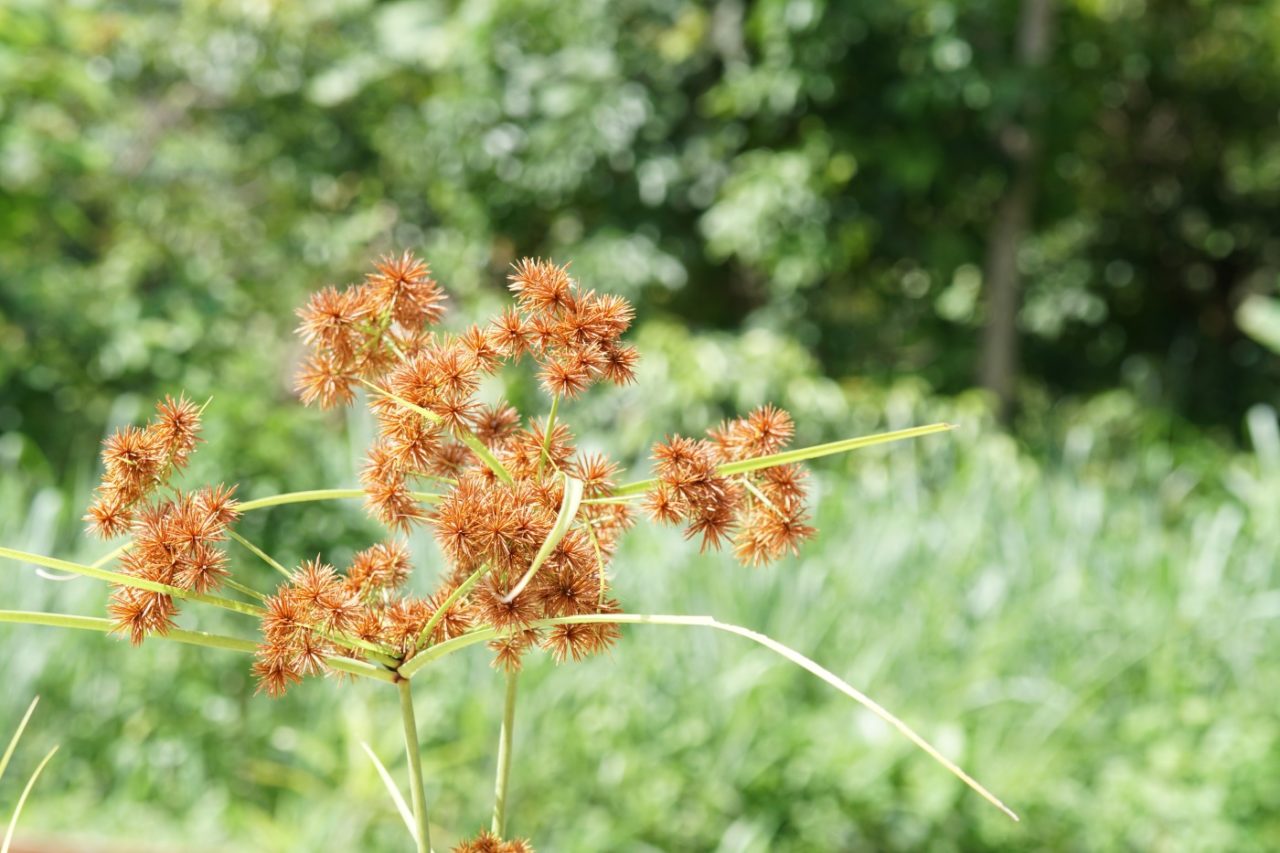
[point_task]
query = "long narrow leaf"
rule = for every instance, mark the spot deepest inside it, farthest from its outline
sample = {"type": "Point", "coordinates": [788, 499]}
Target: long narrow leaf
{"type": "Point", "coordinates": [406, 814]}
{"type": "Point", "coordinates": [104, 626]}
{"type": "Point", "coordinates": [790, 654]}
{"type": "Point", "coordinates": [801, 454]}
{"type": "Point", "coordinates": [321, 495]}
{"type": "Point", "coordinates": [22, 801]}
{"type": "Point", "coordinates": [564, 520]}
{"type": "Point", "coordinates": [17, 736]}
{"type": "Point", "coordinates": [129, 580]}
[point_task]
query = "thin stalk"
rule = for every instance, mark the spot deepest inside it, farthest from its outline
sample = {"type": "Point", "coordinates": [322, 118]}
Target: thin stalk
{"type": "Point", "coordinates": [791, 655]}
{"type": "Point", "coordinates": [545, 456]}
{"type": "Point", "coordinates": [231, 583]}
{"type": "Point", "coordinates": [462, 589]}
{"type": "Point", "coordinates": [22, 800]}
{"type": "Point", "coordinates": [178, 635]}
{"type": "Point", "coordinates": [382, 654]}
{"type": "Point", "coordinates": [802, 454]}
{"type": "Point", "coordinates": [613, 499]}
{"type": "Point", "coordinates": [595, 544]}
{"type": "Point", "coordinates": [502, 781]}
{"type": "Point", "coordinates": [263, 555]}
{"type": "Point", "coordinates": [416, 791]}
{"type": "Point", "coordinates": [300, 497]}
{"type": "Point", "coordinates": [17, 736]}
{"type": "Point", "coordinates": [360, 667]}
{"type": "Point", "coordinates": [105, 626]}
{"type": "Point", "coordinates": [110, 555]}
{"type": "Point", "coordinates": [322, 495]}
{"type": "Point", "coordinates": [564, 520]}
{"type": "Point", "coordinates": [762, 497]}
{"type": "Point", "coordinates": [130, 580]}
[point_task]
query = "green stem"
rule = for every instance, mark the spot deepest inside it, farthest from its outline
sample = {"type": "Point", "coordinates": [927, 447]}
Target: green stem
{"type": "Point", "coordinates": [360, 667]}
{"type": "Point", "coordinates": [545, 456]}
{"type": "Point", "coordinates": [502, 780]}
{"type": "Point", "coordinates": [802, 454]}
{"type": "Point", "coordinates": [105, 626]}
{"type": "Point", "coordinates": [411, 747]}
{"type": "Point", "coordinates": [462, 589]}
{"type": "Point", "coordinates": [178, 635]}
{"type": "Point", "coordinates": [242, 589]}
{"type": "Point", "coordinates": [300, 497]}
{"type": "Point", "coordinates": [320, 495]}
{"type": "Point", "coordinates": [613, 499]}
{"type": "Point", "coordinates": [130, 580]}
{"type": "Point", "coordinates": [263, 555]}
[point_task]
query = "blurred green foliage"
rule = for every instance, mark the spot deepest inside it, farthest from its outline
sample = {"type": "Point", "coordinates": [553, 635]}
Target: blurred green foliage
{"type": "Point", "coordinates": [176, 175]}
{"type": "Point", "coordinates": [797, 196]}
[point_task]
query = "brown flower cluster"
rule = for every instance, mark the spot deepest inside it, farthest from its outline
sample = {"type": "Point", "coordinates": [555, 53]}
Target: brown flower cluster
{"type": "Point", "coordinates": [491, 526]}
{"type": "Point", "coordinates": [498, 482]}
{"type": "Point", "coordinates": [487, 842]}
{"type": "Point", "coordinates": [175, 539]}
{"type": "Point", "coordinates": [355, 332]}
{"type": "Point", "coordinates": [763, 511]}
{"type": "Point", "coordinates": [574, 335]}
{"type": "Point", "coordinates": [497, 529]}
{"type": "Point", "coordinates": [320, 613]}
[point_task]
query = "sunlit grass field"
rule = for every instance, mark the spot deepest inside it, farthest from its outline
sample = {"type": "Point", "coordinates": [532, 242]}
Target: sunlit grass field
{"type": "Point", "coordinates": [1093, 637]}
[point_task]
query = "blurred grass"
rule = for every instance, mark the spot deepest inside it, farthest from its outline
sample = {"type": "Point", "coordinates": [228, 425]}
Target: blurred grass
{"type": "Point", "coordinates": [1092, 638]}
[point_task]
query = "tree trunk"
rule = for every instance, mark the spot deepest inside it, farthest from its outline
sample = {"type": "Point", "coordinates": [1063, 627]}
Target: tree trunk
{"type": "Point", "coordinates": [998, 370]}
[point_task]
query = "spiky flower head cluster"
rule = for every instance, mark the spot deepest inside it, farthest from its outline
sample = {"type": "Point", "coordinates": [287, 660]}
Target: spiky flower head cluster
{"type": "Point", "coordinates": [763, 512]}
{"type": "Point", "coordinates": [527, 523]}
{"type": "Point", "coordinates": [176, 534]}
{"type": "Point", "coordinates": [487, 842]}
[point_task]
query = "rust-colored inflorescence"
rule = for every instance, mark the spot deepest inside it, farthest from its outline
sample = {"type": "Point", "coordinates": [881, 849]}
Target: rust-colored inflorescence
{"type": "Point", "coordinates": [175, 537]}
{"type": "Point", "coordinates": [487, 842]}
{"type": "Point", "coordinates": [527, 524]}
{"type": "Point", "coordinates": [497, 482]}
{"type": "Point", "coordinates": [762, 512]}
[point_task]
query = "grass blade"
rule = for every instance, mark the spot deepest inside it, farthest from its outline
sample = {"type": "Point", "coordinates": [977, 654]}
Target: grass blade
{"type": "Point", "coordinates": [462, 589]}
{"type": "Point", "coordinates": [22, 801]}
{"type": "Point", "coordinates": [802, 454]}
{"type": "Point", "coordinates": [564, 520]}
{"type": "Point", "coordinates": [129, 580]}
{"type": "Point", "coordinates": [104, 626]}
{"type": "Point", "coordinates": [406, 814]}
{"type": "Point", "coordinates": [17, 736]}
{"type": "Point", "coordinates": [790, 654]}
{"type": "Point", "coordinates": [321, 495]}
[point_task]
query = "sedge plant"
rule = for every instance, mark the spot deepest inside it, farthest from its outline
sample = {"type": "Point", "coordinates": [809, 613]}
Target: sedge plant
{"type": "Point", "coordinates": [527, 525]}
